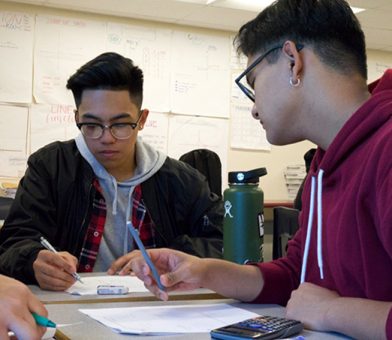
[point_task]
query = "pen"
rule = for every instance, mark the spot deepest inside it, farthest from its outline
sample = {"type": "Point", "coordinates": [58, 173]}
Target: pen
{"type": "Point", "coordinates": [42, 321]}
{"type": "Point", "coordinates": [147, 258]}
{"type": "Point", "coordinates": [48, 246]}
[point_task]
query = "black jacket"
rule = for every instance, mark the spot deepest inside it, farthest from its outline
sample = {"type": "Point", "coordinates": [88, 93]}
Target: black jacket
{"type": "Point", "coordinates": [54, 200]}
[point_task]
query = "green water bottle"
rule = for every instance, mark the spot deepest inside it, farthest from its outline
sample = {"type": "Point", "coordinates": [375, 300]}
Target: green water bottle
{"type": "Point", "coordinates": [243, 222]}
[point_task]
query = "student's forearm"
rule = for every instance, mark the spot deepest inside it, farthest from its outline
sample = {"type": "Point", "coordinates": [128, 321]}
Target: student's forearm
{"type": "Point", "coordinates": [241, 282]}
{"type": "Point", "coordinates": [358, 318]}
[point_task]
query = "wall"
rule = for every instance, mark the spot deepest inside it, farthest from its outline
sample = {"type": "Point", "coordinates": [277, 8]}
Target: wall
{"type": "Point", "coordinates": [275, 159]}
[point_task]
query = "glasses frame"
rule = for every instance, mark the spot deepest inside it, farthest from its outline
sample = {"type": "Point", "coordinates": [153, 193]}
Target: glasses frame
{"type": "Point", "coordinates": [257, 61]}
{"type": "Point", "coordinates": [109, 127]}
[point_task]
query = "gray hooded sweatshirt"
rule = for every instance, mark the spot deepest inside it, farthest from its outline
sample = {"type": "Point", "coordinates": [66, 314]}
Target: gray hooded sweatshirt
{"type": "Point", "coordinates": [116, 240]}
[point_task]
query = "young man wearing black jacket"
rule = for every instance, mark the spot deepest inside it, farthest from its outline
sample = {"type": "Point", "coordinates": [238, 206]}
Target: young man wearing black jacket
{"type": "Point", "coordinates": [79, 194]}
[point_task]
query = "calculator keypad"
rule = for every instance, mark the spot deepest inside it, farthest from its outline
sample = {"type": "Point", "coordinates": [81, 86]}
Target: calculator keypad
{"type": "Point", "coordinates": [266, 323]}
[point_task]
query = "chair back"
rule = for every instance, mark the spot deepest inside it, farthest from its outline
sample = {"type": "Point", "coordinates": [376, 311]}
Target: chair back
{"type": "Point", "coordinates": [285, 225]}
{"type": "Point", "coordinates": [209, 164]}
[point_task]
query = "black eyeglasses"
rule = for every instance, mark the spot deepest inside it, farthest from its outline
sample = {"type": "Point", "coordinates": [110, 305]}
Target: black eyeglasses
{"type": "Point", "coordinates": [245, 88]}
{"type": "Point", "coordinates": [118, 130]}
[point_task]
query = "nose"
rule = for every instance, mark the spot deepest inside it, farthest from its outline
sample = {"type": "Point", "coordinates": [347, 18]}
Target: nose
{"type": "Point", "coordinates": [255, 113]}
{"type": "Point", "coordinates": [107, 136]}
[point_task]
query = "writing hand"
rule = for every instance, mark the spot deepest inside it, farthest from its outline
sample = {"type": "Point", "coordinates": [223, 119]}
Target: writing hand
{"type": "Point", "coordinates": [53, 271]}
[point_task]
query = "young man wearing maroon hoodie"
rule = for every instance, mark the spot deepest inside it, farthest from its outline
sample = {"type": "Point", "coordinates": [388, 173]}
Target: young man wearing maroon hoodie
{"type": "Point", "coordinates": [307, 77]}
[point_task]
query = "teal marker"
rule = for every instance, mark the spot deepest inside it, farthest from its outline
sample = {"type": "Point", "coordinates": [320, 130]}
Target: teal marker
{"type": "Point", "coordinates": [42, 321]}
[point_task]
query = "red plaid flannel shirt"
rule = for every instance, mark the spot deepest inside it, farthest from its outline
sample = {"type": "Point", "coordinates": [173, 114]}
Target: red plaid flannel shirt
{"type": "Point", "coordinates": [141, 220]}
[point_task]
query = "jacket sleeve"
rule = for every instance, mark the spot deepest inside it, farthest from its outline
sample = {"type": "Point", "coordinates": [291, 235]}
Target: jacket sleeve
{"type": "Point", "coordinates": [202, 233]}
{"type": "Point", "coordinates": [186, 214]}
{"type": "Point", "coordinates": [30, 217]}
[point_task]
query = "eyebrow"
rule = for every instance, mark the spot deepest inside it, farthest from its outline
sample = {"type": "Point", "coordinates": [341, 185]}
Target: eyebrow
{"type": "Point", "coordinates": [89, 115]}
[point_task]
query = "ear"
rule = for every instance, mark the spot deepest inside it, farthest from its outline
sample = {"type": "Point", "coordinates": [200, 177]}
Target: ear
{"type": "Point", "coordinates": [295, 60]}
{"type": "Point", "coordinates": [143, 118]}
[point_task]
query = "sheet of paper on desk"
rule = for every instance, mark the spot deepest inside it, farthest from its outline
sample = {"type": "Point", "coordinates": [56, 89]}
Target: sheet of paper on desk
{"type": "Point", "coordinates": [89, 285]}
{"type": "Point", "coordinates": [161, 320]}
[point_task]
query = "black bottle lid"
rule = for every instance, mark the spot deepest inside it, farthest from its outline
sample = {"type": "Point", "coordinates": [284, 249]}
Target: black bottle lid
{"type": "Point", "coordinates": [242, 177]}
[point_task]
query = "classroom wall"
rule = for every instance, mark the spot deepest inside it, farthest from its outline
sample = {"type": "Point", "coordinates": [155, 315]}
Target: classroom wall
{"type": "Point", "coordinates": [238, 156]}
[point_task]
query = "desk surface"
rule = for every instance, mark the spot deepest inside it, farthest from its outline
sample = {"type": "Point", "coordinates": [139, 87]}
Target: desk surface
{"type": "Point", "coordinates": [83, 327]}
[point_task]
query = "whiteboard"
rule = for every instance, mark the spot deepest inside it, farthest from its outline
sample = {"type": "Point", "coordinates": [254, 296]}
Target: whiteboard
{"type": "Point", "coordinates": [200, 83]}
{"type": "Point", "coordinates": [16, 51]}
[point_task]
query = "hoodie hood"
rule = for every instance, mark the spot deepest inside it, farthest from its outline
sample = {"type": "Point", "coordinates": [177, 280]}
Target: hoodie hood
{"type": "Point", "coordinates": [365, 125]}
{"type": "Point", "coordinates": [148, 162]}
{"type": "Point", "coordinates": [355, 133]}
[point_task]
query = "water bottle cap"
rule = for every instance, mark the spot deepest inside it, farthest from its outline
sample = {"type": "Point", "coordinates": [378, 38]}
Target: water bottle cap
{"type": "Point", "coordinates": [251, 176]}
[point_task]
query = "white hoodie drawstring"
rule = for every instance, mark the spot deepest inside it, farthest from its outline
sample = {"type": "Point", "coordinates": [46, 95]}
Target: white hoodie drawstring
{"type": "Point", "coordinates": [320, 222]}
{"type": "Point", "coordinates": [310, 224]}
{"type": "Point", "coordinates": [114, 182]}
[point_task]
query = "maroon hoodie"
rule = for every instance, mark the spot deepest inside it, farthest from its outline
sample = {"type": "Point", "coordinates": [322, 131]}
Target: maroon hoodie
{"type": "Point", "coordinates": [353, 201]}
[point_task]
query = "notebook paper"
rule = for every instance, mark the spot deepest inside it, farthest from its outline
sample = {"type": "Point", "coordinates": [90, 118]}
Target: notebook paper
{"type": "Point", "coordinates": [89, 285]}
{"type": "Point", "coordinates": [164, 320]}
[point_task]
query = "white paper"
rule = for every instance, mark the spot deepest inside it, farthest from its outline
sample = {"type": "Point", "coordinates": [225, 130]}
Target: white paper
{"type": "Point", "coordinates": [156, 320]}
{"type": "Point", "coordinates": [188, 133]}
{"type": "Point", "coordinates": [200, 83]}
{"type": "Point", "coordinates": [149, 48]}
{"type": "Point", "coordinates": [13, 128]}
{"type": "Point", "coordinates": [155, 131]}
{"type": "Point", "coordinates": [49, 123]}
{"type": "Point", "coordinates": [89, 285]}
{"type": "Point", "coordinates": [16, 50]}
{"type": "Point", "coordinates": [62, 45]}
{"type": "Point", "coordinates": [246, 132]}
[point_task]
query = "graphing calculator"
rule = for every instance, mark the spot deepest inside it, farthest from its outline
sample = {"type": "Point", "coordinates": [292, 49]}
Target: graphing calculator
{"type": "Point", "coordinates": [261, 327]}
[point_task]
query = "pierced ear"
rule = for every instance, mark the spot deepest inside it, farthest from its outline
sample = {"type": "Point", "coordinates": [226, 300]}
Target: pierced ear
{"type": "Point", "coordinates": [295, 60]}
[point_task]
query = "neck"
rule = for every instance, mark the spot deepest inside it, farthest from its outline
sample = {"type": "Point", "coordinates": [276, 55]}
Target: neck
{"type": "Point", "coordinates": [339, 98]}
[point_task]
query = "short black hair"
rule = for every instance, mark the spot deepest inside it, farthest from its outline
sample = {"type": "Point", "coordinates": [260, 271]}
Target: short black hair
{"type": "Point", "coordinates": [108, 71]}
{"type": "Point", "coordinates": [329, 27]}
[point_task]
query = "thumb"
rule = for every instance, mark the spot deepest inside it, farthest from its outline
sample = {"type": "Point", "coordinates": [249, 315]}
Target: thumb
{"type": "Point", "coordinates": [171, 279]}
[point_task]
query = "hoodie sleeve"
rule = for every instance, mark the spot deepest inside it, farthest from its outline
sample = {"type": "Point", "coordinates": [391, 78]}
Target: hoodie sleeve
{"type": "Point", "coordinates": [281, 276]}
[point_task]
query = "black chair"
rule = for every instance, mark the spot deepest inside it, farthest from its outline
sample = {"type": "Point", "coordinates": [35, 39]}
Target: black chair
{"type": "Point", "coordinates": [208, 163]}
{"type": "Point", "coordinates": [5, 205]}
{"type": "Point", "coordinates": [285, 224]}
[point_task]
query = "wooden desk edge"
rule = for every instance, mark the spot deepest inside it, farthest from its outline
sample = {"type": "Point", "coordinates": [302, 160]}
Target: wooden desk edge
{"type": "Point", "coordinates": [130, 298]}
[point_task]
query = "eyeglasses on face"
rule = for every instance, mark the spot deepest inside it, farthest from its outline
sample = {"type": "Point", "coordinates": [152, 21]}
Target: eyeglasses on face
{"type": "Point", "coordinates": [241, 79]}
{"type": "Point", "coordinates": [118, 130]}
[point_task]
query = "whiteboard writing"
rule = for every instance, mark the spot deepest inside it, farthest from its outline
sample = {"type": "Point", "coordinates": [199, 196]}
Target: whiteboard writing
{"type": "Point", "coordinates": [51, 122]}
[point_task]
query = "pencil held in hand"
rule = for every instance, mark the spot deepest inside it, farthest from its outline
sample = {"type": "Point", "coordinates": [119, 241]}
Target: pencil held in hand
{"type": "Point", "coordinates": [48, 246]}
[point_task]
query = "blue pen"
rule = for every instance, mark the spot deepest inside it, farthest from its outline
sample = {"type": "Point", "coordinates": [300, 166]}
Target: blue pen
{"type": "Point", "coordinates": [42, 321]}
{"type": "Point", "coordinates": [147, 258]}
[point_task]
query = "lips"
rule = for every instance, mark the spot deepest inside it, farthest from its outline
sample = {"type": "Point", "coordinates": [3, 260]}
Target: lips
{"type": "Point", "coordinates": [108, 153]}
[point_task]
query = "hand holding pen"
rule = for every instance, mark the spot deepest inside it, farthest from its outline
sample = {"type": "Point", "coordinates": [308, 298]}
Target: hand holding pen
{"type": "Point", "coordinates": [135, 235]}
{"type": "Point", "coordinates": [55, 270]}
{"type": "Point", "coordinates": [48, 246]}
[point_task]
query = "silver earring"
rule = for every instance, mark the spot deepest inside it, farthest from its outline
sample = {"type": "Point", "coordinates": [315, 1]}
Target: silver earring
{"type": "Point", "coordinates": [296, 84]}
